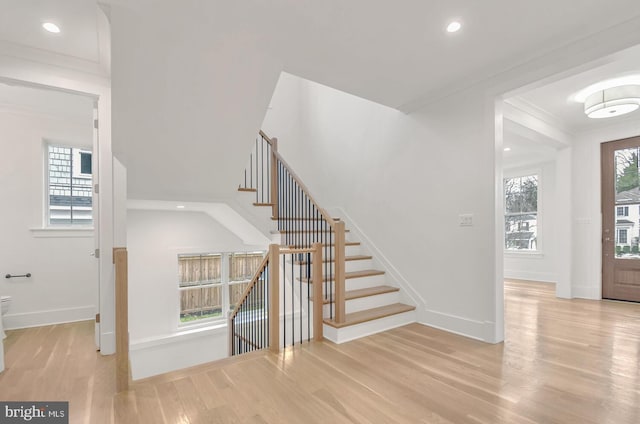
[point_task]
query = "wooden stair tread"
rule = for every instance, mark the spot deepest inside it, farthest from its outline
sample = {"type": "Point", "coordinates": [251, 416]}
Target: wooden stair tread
{"type": "Point", "coordinates": [348, 275]}
{"type": "Point", "coordinates": [347, 258]}
{"type": "Point", "coordinates": [263, 204]}
{"type": "Point", "coordinates": [371, 314]}
{"type": "Point", "coordinates": [248, 189]}
{"type": "Point", "coordinates": [360, 293]}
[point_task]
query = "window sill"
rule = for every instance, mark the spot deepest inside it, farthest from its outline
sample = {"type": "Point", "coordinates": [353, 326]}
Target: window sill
{"type": "Point", "coordinates": [202, 324]}
{"type": "Point", "coordinates": [526, 254]}
{"type": "Point", "coordinates": [62, 232]}
{"type": "Point", "coordinates": [180, 335]}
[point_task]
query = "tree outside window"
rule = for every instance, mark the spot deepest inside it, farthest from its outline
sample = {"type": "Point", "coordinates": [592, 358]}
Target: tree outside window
{"type": "Point", "coordinates": [521, 213]}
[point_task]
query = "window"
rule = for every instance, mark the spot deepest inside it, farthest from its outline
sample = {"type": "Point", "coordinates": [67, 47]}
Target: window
{"type": "Point", "coordinates": [521, 213]}
{"type": "Point", "coordinates": [622, 236]}
{"type": "Point", "coordinates": [205, 280]}
{"type": "Point", "coordinates": [242, 267]}
{"type": "Point", "coordinates": [623, 211]}
{"type": "Point", "coordinates": [69, 186]}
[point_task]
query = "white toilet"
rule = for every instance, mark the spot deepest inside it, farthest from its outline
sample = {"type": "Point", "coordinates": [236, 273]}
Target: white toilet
{"type": "Point", "coordinates": [6, 302]}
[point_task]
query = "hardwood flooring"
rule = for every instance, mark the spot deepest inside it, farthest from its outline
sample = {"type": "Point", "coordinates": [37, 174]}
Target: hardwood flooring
{"type": "Point", "coordinates": [563, 361]}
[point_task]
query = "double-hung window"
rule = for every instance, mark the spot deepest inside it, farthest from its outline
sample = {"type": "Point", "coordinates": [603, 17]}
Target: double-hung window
{"type": "Point", "coordinates": [521, 213]}
{"type": "Point", "coordinates": [69, 186]}
{"type": "Point", "coordinates": [212, 284]}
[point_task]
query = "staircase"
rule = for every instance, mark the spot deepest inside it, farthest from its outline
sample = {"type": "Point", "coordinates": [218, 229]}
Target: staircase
{"type": "Point", "coordinates": [358, 298]}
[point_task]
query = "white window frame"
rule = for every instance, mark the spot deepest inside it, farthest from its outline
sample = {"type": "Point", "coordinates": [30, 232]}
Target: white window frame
{"type": "Point", "coordinates": [224, 282]}
{"type": "Point", "coordinates": [625, 210]}
{"type": "Point", "coordinates": [519, 173]}
{"type": "Point", "coordinates": [46, 216]}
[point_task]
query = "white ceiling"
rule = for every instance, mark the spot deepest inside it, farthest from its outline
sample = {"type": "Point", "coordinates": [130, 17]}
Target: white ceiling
{"type": "Point", "coordinates": [198, 74]}
{"type": "Point", "coordinates": [21, 24]}
{"type": "Point", "coordinates": [556, 101]}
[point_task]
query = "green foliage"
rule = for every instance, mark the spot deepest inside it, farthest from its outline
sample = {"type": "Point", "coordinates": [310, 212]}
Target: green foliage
{"type": "Point", "coordinates": [635, 249]}
{"type": "Point", "coordinates": [626, 249]}
{"type": "Point", "coordinates": [618, 250]}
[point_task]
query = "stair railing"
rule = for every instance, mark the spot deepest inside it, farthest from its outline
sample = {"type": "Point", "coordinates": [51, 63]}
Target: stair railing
{"type": "Point", "coordinates": [275, 309]}
{"type": "Point", "coordinates": [301, 221]}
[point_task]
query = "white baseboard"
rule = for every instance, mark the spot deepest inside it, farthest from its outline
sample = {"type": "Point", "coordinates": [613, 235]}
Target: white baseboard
{"type": "Point", "coordinates": [586, 292]}
{"type": "Point", "coordinates": [544, 277]}
{"type": "Point", "coordinates": [353, 332]}
{"type": "Point", "coordinates": [108, 343]}
{"type": "Point", "coordinates": [478, 330]}
{"type": "Point", "coordinates": [54, 316]}
{"type": "Point", "coordinates": [162, 354]}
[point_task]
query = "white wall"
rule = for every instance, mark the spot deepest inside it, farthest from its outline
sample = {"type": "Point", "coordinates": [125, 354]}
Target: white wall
{"type": "Point", "coordinates": [154, 240]}
{"type": "Point", "coordinates": [403, 179]}
{"type": "Point", "coordinates": [541, 265]}
{"type": "Point", "coordinates": [64, 281]}
{"type": "Point", "coordinates": [587, 223]}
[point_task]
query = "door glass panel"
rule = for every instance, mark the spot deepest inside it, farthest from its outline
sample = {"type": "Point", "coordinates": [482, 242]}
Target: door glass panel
{"type": "Point", "coordinates": [627, 207]}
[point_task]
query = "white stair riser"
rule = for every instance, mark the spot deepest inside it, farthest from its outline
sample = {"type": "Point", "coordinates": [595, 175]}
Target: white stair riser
{"type": "Point", "coordinates": [360, 283]}
{"type": "Point", "coordinates": [368, 302]}
{"type": "Point", "coordinates": [365, 282]}
{"type": "Point", "coordinates": [352, 332]}
{"type": "Point", "coordinates": [350, 266]}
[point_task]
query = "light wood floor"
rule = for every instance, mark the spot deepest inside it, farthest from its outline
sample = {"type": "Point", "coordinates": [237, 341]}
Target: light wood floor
{"type": "Point", "coordinates": [563, 362]}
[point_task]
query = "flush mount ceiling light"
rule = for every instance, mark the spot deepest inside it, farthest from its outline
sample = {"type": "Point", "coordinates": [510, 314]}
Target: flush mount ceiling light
{"type": "Point", "coordinates": [180, 206]}
{"type": "Point", "coordinates": [454, 26]}
{"type": "Point", "coordinates": [51, 27]}
{"type": "Point", "coordinates": [614, 101]}
{"type": "Point", "coordinates": [507, 149]}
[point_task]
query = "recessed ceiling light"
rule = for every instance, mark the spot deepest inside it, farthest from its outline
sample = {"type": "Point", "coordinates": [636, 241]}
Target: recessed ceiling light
{"type": "Point", "coordinates": [507, 149]}
{"type": "Point", "coordinates": [51, 27]}
{"type": "Point", "coordinates": [454, 26]}
{"type": "Point", "coordinates": [180, 206]}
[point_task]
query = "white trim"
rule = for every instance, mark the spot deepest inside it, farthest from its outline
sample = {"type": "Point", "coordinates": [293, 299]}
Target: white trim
{"type": "Point", "coordinates": [474, 329]}
{"type": "Point", "coordinates": [149, 342]}
{"type": "Point", "coordinates": [160, 354]}
{"type": "Point", "coordinates": [50, 317]}
{"type": "Point", "coordinates": [518, 274]}
{"type": "Point", "coordinates": [587, 292]}
{"type": "Point", "coordinates": [524, 254]}
{"type": "Point", "coordinates": [62, 232]}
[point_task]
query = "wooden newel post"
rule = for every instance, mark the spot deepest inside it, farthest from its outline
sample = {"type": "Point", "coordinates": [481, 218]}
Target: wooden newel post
{"type": "Point", "coordinates": [318, 304]}
{"type": "Point", "coordinates": [122, 318]}
{"type": "Point", "coordinates": [339, 272]}
{"type": "Point", "coordinates": [274, 298]}
{"type": "Point", "coordinates": [274, 178]}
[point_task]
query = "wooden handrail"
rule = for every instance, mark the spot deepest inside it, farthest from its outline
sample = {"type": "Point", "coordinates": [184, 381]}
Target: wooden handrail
{"type": "Point", "coordinates": [246, 292]}
{"type": "Point", "coordinates": [266, 137]}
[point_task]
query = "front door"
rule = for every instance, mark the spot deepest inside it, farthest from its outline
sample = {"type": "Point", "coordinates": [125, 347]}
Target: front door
{"type": "Point", "coordinates": [621, 219]}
